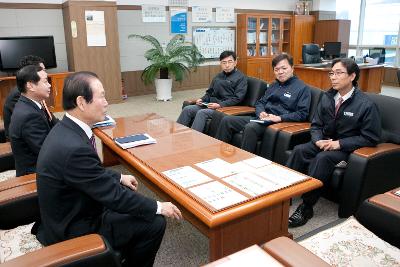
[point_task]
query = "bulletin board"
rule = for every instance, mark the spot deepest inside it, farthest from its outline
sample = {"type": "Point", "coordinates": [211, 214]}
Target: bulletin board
{"type": "Point", "coordinates": [212, 41]}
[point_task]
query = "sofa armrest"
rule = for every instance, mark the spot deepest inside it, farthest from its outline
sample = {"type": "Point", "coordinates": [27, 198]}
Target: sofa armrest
{"type": "Point", "coordinates": [298, 128]}
{"type": "Point", "coordinates": [237, 110]}
{"type": "Point", "coordinates": [282, 125]}
{"type": "Point", "coordinates": [66, 252]}
{"type": "Point", "coordinates": [17, 181]}
{"type": "Point", "coordinates": [381, 215]}
{"type": "Point", "coordinates": [289, 253]}
{"type": "Point", "coordinates": [16, 199]}
{"type": "Point", "coordinates": [380, 149]}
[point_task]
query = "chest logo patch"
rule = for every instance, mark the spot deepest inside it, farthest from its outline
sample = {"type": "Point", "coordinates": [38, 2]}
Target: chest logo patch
{"type": "Point", "coordinates": [288, 95]}
{"type": "Point", "coordinates": [348, 114]}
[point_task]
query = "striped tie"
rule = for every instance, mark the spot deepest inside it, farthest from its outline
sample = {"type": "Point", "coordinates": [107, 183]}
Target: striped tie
{"type": "Point", "coordinates": [339, 103]}
{"type": "Point", "coordinates": [93, 142]}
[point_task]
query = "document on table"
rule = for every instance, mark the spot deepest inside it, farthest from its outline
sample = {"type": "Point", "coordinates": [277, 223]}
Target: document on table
{"type": "Point", "coordinates": [280, 175]}
{"type": "Point", "coordinates": [257, 162]}
{"type": "Point", "coordinates": [251, 256]}
{"type": "Point", "coordinates": [187, 176]}
{"type": "Point", "coordinates": [217, 167]}
{"type": "Point", "coordinates": [251, 183]}
{"type": "Point", "coordinates": [217, 195]}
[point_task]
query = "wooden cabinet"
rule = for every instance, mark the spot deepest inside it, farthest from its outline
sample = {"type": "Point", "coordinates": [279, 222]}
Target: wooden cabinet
{"type": "Point", "coordinates": [259, 38]}
{"type": "Point", "coordinates": [55, 100]}
{"type": "Point", "coordinates": [337, 30]}
{"type": "Point", "coordinates": [302, 33]}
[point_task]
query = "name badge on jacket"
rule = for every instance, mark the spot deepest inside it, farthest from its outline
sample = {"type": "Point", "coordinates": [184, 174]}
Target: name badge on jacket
{"type": "Point", "coordinates": [288, 95]}
{"type": "Point", "coordinates": [348, 114]}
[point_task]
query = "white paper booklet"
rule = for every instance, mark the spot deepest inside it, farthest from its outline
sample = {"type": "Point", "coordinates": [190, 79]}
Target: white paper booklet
{"type": "Point", "coordinates": [187, 176]}
{"type": "Point", "coordinates": [257, 162]}
{"type": "Point", "coordinates": [108, 121]}
{"type": "Point", "coordinates": [279, 175]}
{"type": "Point", "coordinates": [217, 195]}
{"type": "Point", "coordinates": [134, 140]}
{"type": "Point", "coordinates": [217, 167]}
{"type": "Point", "coordinates": [251, 183]}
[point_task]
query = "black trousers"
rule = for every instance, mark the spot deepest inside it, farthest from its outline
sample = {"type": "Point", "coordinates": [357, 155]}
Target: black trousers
{"type": "Point", "coordinates": [137, 239]}
{"type": "Point", "coordinates": [309, 159]}
{"type": "Point", "coordinates": [252, 131]}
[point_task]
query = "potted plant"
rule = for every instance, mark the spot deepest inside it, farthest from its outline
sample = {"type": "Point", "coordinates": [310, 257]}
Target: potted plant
{"type": "Point", "coordinates": [176, 59]}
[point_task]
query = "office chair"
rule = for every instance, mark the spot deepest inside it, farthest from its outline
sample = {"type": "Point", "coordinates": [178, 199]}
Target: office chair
{"type": "Point", "coordinates": [378, 52]}
{"type": "Point", "coordinates": [310, 54]}
{"type": "Point", "coordinates": [398, 76]}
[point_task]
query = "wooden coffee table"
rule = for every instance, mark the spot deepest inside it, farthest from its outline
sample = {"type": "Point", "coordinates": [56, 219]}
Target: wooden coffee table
{"type": "Point", "coordinates": [253, 222]}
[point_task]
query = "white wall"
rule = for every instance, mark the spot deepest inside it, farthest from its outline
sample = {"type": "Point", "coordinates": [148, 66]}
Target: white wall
{"type": "Point", "coordinates": [31, 22]}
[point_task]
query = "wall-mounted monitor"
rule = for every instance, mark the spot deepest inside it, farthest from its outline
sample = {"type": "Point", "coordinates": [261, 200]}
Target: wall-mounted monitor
{"type": "Point", "coordinates": [332, 49]}
{"type": "Point", "coordinates": [12, 49]}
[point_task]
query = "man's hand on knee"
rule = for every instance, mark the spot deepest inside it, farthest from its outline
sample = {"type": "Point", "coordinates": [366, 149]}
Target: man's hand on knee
{"type": "Point", "coordinates": [170, 210]}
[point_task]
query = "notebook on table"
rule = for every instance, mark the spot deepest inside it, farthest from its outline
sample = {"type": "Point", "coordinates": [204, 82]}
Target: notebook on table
{"type": "Point", "coordinates": [134, 140]}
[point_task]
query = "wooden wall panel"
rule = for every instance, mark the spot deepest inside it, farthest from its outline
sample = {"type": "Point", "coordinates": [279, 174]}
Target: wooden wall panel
{"type": "Point", "coordinates": [199, 79]}
{"type": "Point", "coordinates": [303, 33]}
{"type": "Point", "coordinates": [104, 61]}
{"type": "Point", "coordinates": [333, 31]}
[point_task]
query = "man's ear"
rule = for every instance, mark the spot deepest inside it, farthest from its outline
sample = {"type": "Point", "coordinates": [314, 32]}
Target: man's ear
{"type": "Point", "coordinates": [29, 86]}
{"type": "Point", "coordinates": [81, 103]}
{"type": "Point", "coordinates": [353, 76]}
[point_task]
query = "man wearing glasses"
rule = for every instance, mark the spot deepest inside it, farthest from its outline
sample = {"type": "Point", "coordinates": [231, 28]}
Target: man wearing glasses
{"type": "Point", "coordinates": [346, 119]}
{"type": "Point", "coordinates": [287, 99]}
{"type": "Point", "coordinates": [228, 88]}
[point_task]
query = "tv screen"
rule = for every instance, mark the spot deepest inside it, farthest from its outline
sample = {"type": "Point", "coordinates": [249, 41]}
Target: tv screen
{"type": "Point", "coordinates": [332, 49]}
{"type": "Point", "coordinates": [12, 49]}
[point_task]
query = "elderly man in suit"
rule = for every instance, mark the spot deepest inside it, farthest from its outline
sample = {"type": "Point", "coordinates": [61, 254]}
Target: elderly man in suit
{"type": "Point", "coordinates": [30, 121]}
{"type": "Point", "coordinates": [78, 196]}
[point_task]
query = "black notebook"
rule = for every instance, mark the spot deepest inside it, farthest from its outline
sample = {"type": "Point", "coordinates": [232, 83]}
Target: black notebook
{"type": "Point", "coordinates": [134, 140]}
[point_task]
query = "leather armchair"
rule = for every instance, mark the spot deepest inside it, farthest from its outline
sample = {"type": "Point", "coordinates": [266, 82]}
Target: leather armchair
{"type": "Point", "coordinates": [6, 157]}
{"type": "Point", "coordinates": [19, 206]}
{"type": "Point", "coordinates": [369, 170]}
{"type": "Point", "coordinates": [310, 54]}
{"type": "Point", "coordinates": [255, 89]}
{"type": "Point", "coordinates": [267, 146]}
{"type": "Point", "coordinates": [2, 133]}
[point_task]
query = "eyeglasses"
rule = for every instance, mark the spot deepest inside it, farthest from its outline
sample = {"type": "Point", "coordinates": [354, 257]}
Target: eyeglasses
{"type": "Point", "coordinates": [335, 73]}
{"type": "Point", "coordinates": [227, 62]}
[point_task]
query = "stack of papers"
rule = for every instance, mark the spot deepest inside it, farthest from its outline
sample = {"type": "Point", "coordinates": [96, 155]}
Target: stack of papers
{"type": "Point", "coordinates": [108, 121]}
{"type": "Point", "coordinates": [134, 140]}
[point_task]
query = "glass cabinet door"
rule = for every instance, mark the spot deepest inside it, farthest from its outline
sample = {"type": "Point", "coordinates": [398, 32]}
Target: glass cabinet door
{"type": "Point", "coordinates": [286, 35]}
{"type": "Point", "coordinates": [275, 36]}
{"type": "Point", "coordinates": [263, 37]}
{"type": "Point", "coordinates": [251, 36]}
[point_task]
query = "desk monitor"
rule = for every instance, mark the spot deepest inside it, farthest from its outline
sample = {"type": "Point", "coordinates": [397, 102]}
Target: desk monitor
{"type": "Point", "coordinates": [332, 49]}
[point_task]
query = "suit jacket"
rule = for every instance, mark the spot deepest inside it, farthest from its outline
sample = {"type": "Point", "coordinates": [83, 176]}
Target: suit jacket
{"type": "Point", "coordinates": [8, 108]}
{"type": "Point", "coordinates": [28, 129]}
{"type": "Point", "coordinates": [75, 190]}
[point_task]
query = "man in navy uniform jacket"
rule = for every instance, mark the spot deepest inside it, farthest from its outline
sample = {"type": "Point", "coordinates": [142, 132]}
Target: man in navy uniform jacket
{"type": "Point", "coordinates": [346, 119]}
{"type": "Point", "coordinates": [287, 99]}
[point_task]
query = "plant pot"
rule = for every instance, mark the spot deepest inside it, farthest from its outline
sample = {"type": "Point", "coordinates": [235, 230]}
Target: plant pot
{"type": "Point", "coordinates": [163, 89]}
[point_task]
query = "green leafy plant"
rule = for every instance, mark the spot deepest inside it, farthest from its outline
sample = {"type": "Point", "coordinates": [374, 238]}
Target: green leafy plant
{"type": "Point", "coordinates": [177, 58]}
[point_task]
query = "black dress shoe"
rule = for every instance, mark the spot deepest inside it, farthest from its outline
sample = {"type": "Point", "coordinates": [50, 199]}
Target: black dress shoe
{"type": "Point", "coordinates": [300, 217]}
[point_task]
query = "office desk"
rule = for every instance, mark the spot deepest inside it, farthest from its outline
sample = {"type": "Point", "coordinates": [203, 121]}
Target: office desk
{"type": "Point", "coordinates": [229, 230]}
{"type": "Point", "coordinates": [371, 77]}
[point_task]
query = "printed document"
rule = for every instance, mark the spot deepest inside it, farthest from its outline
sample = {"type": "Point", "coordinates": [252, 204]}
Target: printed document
{"type": "Point", "coordinates": [217, 195]}
{"type": "Point", "coordinates": [280, 175]}
{"type": "Point", "coordinates": [187, 176]}
{"type": "Point", "coordinates": [217, 167]}
{"type": "Point", "coordinates": [251, 183]}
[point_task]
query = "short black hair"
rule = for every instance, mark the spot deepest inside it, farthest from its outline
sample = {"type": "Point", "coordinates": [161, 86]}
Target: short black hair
{"type": "Point", "coordinates": [281, 57]}
{"type": "Point", "coordinates": [227, 53]}
{"type": "Point", "coordinates": [30, 60]}
{"type": "Point", "coordinates": [77, 84]}
{"type": "Point", "coordinates": [351, 67]}
{"type": "Point", "coordinates": [27, 74]}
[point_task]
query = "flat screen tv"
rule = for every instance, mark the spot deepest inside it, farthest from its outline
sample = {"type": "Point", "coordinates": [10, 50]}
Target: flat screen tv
{"type": "Point", "coordinates": [12, 49]}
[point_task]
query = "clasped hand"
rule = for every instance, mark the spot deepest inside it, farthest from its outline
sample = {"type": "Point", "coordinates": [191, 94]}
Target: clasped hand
{"type": "Point", "coordinates": [270, 117]}
{"type": "Point", "coordinates": [210, 105]}
{"type": "Point", "coordinates": [329, 144]}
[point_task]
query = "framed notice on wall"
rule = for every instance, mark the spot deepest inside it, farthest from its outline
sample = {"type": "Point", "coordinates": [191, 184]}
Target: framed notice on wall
{"type": "Point", "coordinates": [212, 41]}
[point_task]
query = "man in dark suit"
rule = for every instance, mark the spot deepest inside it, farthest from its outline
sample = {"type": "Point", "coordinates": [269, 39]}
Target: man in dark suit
{"type": "Point", "coordinates": [14, 95]}
{"type": "Point", "coordinates": [30, 122]}
{"type": "Point", "coordinates": [78, 196]}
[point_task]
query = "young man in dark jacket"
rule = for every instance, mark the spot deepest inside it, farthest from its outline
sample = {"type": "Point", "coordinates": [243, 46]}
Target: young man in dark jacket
{"type": "Point", "coordinates": [228, 88]}
{"type": "Point", "coordinates": [287, 99]}
{"type": "Point", "coordinates": [346, 119]}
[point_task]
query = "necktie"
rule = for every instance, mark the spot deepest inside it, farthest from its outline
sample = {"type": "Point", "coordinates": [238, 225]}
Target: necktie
{"type": "Point", "coordinates": [46, 110]}
{"type": "Point", "coordinates": [93, 142]}
{"type": "Point", "coordinates": [339, 103]}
